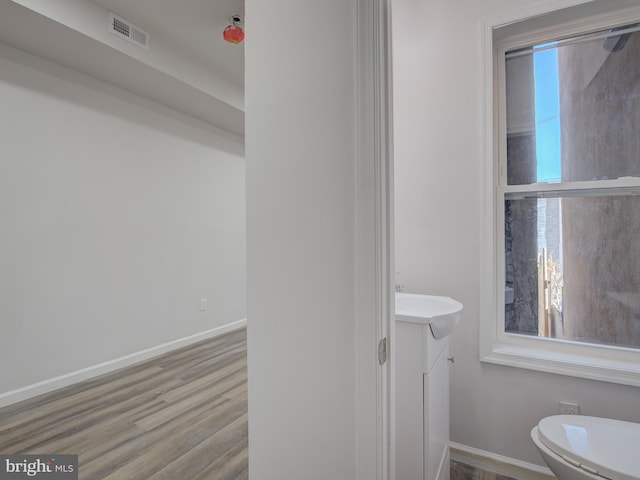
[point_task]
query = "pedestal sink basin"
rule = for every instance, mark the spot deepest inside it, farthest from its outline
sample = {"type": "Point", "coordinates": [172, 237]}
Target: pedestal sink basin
{"type": "Point", "coordinates": [442, 314]}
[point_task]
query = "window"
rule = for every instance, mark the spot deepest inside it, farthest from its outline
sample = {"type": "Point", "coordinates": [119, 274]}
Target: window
{"type": "Point", "coordinates": [566, 196]}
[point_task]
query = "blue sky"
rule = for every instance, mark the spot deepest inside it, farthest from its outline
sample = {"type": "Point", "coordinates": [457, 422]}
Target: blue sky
{"type": "Point", "coordinates": [547, 108]}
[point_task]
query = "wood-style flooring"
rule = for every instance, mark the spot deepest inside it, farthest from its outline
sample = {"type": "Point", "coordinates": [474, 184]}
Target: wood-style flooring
{"type": "Point", "coordinates": [181, 416]}
{"type": "Point", "coordinates": [462, 471]}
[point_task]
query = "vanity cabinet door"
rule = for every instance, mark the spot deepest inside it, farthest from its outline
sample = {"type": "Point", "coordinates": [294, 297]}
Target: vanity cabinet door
{"type": "Point", "coordinates": [436, 417]}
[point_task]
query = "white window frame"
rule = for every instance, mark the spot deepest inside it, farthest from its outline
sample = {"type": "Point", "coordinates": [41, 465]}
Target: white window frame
{"type": "Point", "coordinates": [597, 362]}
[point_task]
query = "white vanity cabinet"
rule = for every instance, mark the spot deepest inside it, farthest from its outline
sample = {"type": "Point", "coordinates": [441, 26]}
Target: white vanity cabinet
{"type": "Point", "coordinates": [422, 402]}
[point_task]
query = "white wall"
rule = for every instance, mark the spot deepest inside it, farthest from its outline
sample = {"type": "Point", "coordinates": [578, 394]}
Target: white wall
{"type": "Point", "coordinates": [438, 166]}
{"type": "Point", "coordinates": [117, 215]}
{"type": "Point", "coordinates": [300, 138]}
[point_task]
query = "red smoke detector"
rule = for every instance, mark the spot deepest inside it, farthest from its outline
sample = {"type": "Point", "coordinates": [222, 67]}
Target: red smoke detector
{"type": "Point", "coordinates": [234, 33]}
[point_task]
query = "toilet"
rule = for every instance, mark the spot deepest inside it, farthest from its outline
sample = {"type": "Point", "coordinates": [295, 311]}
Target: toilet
{"type": "Point", "coordinates": [577, 447]}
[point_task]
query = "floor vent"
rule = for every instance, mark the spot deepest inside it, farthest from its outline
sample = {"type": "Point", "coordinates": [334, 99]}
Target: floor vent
{"type": "Point", "coordinates": [125, 29]}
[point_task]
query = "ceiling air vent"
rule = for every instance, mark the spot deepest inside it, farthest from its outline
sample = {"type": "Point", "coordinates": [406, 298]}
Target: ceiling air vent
{"type": "Point", "coordinates": [127, 30]}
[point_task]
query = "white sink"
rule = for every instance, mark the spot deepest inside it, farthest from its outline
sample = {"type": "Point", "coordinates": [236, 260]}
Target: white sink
{"type": "Point", "coordinates": [442, 314]}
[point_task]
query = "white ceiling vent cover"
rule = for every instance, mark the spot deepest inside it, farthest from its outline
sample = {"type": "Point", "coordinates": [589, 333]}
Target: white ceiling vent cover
{"type": "Point", "coordinates": [127, 30]}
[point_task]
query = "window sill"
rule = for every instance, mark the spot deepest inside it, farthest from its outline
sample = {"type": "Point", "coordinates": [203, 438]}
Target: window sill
{"type": "Point", "coordinates": [625, 372]}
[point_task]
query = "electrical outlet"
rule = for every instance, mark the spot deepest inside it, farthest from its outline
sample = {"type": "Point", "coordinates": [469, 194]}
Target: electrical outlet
{"type": "Point", "coordinates": [568, 408]}
{"type": "Point", "coordinates": [203, 304]}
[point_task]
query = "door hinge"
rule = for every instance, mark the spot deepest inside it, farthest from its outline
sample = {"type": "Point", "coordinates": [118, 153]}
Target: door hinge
{"type": "Point", "coordinates": [382, 351]}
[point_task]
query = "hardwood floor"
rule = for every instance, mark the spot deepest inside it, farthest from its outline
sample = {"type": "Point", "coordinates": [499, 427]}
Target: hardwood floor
{"type": "Point", "coordinates": [181, 416]}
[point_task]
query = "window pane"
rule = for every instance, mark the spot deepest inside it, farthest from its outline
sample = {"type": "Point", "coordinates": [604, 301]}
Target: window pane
{"type": "Point", "coordinates": [573, 110]}
{"type": "Point", "coordinates": [573, 265]}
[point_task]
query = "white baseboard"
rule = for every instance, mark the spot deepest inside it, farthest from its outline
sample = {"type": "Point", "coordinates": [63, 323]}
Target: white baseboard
{"type": "Point", "coordinates": [491, 462]}
{"type": "Point", "coordinates": [67, 379]}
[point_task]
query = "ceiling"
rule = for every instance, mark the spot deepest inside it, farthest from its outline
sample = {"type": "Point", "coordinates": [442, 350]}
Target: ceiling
{"type": "Point", "coordinates": [188, 67]}
{"type": "Point", "coordinates": [193, 26]}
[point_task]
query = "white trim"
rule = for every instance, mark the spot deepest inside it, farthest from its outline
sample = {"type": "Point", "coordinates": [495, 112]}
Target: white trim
{"type": "Point", "coordinates": [487, 302]}
{"type": "Point", "coordinates": [530, 11]}
{"type": "Point", "coordinates": [595, 362]}
{"type": "Point", "coordinates": [618, 17]}
{"type": "Point", "coordinates": [374, 237]}
{"type": "Point", "coordinates": [581, 365]}
{"type": "Point", "coordinates": [67, 379]}
{"type": "Point", "coordinates": [444, 468]}
{"type": "Point", "coordinates": [492, 462]}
